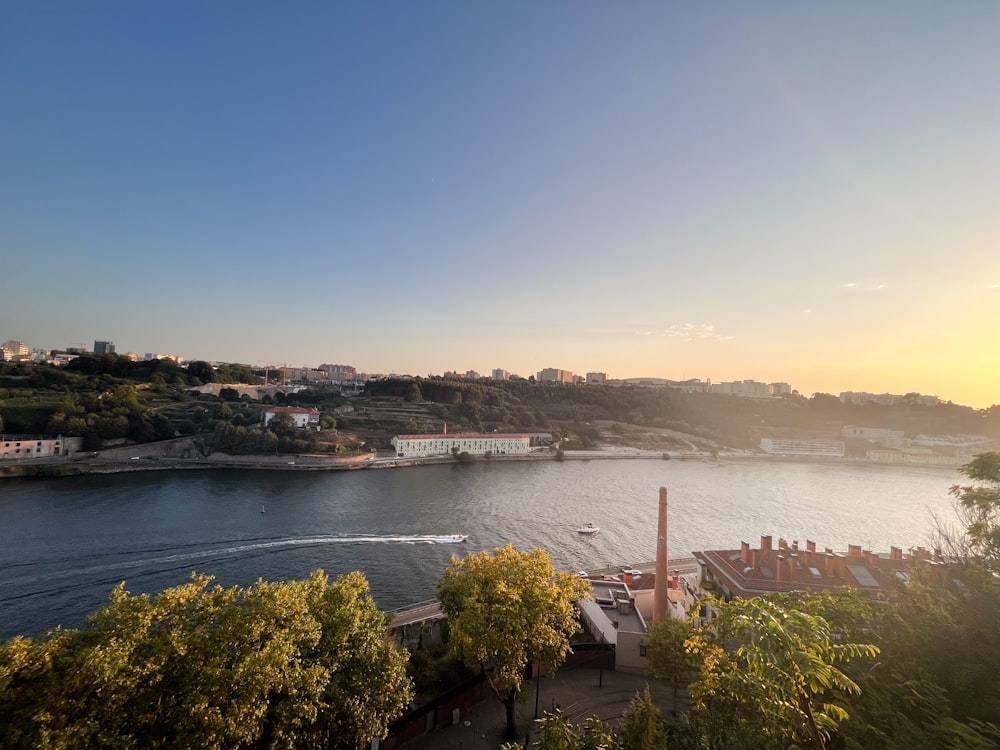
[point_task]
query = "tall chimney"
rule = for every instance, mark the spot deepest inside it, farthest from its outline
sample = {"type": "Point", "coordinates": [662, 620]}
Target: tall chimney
{"type": "Point", "coordinates": [660, 597]}
{"type": "Point", "coordinates": [445, 430]}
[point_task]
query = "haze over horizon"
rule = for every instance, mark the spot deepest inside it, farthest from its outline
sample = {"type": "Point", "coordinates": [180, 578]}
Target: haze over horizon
{"type": "Point", "coordinates": [778, 191]}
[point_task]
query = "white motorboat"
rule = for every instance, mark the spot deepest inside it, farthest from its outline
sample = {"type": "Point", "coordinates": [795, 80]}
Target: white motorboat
{"type": "Point", "coordinates": [588, 528]}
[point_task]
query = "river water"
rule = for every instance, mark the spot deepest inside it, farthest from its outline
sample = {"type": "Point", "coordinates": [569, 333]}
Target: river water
{"type": "Point", "coordinates": [65, 543]}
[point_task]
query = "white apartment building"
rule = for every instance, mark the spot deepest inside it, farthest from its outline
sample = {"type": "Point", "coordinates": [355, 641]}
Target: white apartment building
{"type": "Point", "coordinates": [787, 447]}
{"type": "Point", "coordinates": [884, 399]}
{"type": "Point", "coordinates": [597, 377]}
{"type": "Point", "coordinates": [917, 457]}
{"type": "Point", "coordinates": [473, 443]}
{"type": "Point", "coordinates": [743, 388]}
{"type": "Point", "coordinates": [499, 374]}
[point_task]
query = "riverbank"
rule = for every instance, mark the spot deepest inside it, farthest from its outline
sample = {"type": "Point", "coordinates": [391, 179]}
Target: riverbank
{"type": "Point", "coordinates": [118, 461]}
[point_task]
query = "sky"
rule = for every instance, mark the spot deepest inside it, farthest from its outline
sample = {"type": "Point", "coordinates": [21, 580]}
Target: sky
{"type": "Point", "coordinates": [779, 191]}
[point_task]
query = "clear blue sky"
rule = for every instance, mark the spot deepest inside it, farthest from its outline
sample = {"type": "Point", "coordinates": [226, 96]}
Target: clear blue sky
{"type": "Point", "coordinates": [782, 191]}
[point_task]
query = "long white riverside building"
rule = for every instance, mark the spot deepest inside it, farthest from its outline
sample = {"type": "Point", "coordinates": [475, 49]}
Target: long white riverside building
{"type": "Point", "coordinates": [788, 447]}
{"type": "Point", "coordinates": [473, 443]}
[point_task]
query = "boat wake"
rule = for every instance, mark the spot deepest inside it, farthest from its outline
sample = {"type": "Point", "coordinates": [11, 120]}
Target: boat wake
{"type": "Point", "coordinates": [120, 563]}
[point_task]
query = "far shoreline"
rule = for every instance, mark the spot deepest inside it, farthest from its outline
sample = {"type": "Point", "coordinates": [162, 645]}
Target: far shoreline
{"type": "Point", "coordinates": [70, 466]}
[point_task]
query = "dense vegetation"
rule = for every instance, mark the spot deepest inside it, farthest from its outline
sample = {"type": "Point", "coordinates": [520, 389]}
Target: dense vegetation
{"type": "Point", "coordinates": [79, 400]}
{"type": "Point", "coordinates": [277, 665]}
{"type": "Point", "coordinates": [730, 420]}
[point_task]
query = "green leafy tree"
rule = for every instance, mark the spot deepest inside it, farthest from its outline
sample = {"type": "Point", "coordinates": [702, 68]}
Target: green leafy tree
{"type": "Point", "coordinates": [509, 610]}
{"type": "Point", "coordinates": [598, 735]}
{"type": "Point", "coordinates": [769, 667]}
{"type": "Point", "coordinates": [283, 665]}
{"type": "Point", "coordinates": [979, 510]}
{"type": "Point", "coordinates": [282, 425]}
{"type": "Point", "coordinates": [641, 727]}
{"type": "Point", "coordinates": [669, 658]}
{"type": "Point", "coordinates": [555, 732]}
{"type": "Point", "coordinates": [201, 371]}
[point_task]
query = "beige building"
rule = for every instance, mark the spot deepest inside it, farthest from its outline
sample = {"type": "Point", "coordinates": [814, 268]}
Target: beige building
{"type": "Point", "coordinates": [553, 375]}
{"type": "Point", "coordinates": [36, 446]}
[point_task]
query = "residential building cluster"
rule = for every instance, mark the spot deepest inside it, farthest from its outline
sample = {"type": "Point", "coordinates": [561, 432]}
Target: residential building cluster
{"type": "Point", "coordinates": [887, 399]}
{"type": "Point", "coordinates": [18, 351]}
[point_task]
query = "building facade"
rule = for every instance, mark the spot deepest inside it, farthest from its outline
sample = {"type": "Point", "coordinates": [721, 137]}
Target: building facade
{"type": "Point", "coordinates": [35, 446]}
{"type": "Point", "coordinates": [303, 418]}
{"type": "Point", "coordinates": [473, 443]}
{"type": "Point", "coordinates": [340, 372]}
{"type": "Point", "coordinates": [749, 572]}
{"type": "Point", "coordinates": [554, 375]}
{"type": "Point", "coordinates": [880, 435]}
{"type": "Point", "coordinates": [789, 447]}
{"type": "Point", "coordinates": [104, 347]}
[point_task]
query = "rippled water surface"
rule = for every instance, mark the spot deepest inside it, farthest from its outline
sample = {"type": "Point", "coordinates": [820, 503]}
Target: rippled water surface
{"type": "Point", "coordinates": [65, 543]}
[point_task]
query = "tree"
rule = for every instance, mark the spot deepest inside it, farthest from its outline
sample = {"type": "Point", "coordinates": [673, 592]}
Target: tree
{"type": "Point", "coordinates": [641, 728]}
{"type": "Point", "coordinates": [979, 509]}
{"type": "Point", "coordinates": [294, 664]}
{"type": "Point", "coordinates": [282, 425]}
{"type": "Point", "coordinates": [202, 371]}
{"type": "Point", "coordinates": [509, 610]}
{"type": "Point", "coordinates": [669, 659]}
{"type": "Point", "coordinates": [768, 666]}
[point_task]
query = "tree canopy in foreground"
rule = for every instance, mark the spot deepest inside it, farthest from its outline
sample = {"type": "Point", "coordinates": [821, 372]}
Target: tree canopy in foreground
{"type": "Point", "coordinates": [509, 610]}
{"type": "Point", "coordinates": [276, 665]}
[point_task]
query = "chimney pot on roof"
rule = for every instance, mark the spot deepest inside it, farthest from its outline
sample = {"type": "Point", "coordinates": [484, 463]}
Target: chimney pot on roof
{"type": "Point", "coordinates": [765, 543]}
{"type": "Point", "coordinates": [810, 545]}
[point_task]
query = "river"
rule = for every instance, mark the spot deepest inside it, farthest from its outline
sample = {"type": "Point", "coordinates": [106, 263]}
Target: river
{"type": "Point", "coordinates": [64, 543]}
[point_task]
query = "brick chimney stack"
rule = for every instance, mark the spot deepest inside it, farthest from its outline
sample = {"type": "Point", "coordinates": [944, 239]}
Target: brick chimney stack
{"type": "Point", "coordinates": [660, 596]}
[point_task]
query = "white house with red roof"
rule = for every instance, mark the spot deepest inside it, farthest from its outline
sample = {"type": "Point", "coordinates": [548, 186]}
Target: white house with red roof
{"type": "Point", "coordinates": [303, 418]}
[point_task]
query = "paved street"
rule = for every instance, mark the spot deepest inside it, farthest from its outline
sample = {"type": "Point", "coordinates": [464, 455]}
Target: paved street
{"type": "Point", "coordinates": [580, 693]}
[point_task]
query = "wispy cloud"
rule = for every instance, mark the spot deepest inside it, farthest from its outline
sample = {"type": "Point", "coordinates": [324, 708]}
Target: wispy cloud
{"type": "Point", "coordinates": [695, 332]}
{"type": "Point", "coordinates": [991, 287]}
{"type": "Point", "coordinates": [855, 286]}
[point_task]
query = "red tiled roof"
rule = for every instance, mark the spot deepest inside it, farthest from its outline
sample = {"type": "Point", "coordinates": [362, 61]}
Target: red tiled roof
{"type": "Point", "coordinates": [291, 410]}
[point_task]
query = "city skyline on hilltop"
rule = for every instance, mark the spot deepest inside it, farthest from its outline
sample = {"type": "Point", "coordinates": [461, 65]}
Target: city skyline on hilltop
{"type": "Point", "coordinates": [778, 386]}
{"type": "Point", "coordinates": [782, 192]}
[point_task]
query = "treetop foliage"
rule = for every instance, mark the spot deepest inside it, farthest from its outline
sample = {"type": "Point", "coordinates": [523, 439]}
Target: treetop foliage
{"type": "Point", "coordinates": [507, 610]}
{"type": "Point", "coordinates": [279, 665]}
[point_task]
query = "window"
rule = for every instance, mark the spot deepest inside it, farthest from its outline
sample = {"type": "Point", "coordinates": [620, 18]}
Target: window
{"type": "Point", "coordinates": [642, 649]}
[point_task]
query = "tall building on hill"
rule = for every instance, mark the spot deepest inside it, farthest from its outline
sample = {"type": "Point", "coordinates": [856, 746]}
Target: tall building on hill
{"type": "Point", "coordinates": [104, 347]}
{"type": "Point", "coordinates": [339, 372]}
{"type": "Point", "coordinates": [16, 348]}
{"type": "Point", "coordinates": [553, 375]}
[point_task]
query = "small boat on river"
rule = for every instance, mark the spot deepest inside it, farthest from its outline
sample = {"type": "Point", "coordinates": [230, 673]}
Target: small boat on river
{"type": "Point", "coordinates": [588, 528]}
